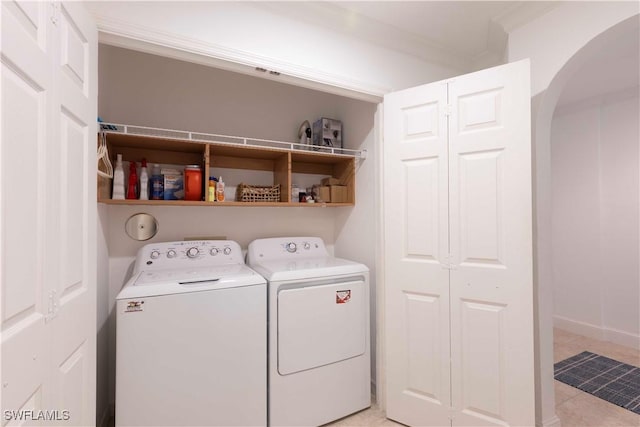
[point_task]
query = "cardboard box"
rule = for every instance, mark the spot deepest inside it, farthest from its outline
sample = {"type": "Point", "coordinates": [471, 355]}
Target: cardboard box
{"type": "Point", "coordinates": [338, 194]}
{"type": "Point", "coordinates": [330, 181]}
{"type": "Point", "coordinates": [324, 194]}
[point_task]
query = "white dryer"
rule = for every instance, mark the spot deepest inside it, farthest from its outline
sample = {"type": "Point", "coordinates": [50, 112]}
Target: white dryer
{"type": "Point", "coordinates": [319, 357]}
{"type": "Point", "coordinates": [191, 338]}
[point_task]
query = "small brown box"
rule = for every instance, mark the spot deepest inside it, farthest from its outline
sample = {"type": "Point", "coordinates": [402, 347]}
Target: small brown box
{"type": "Point", "coordinates": [330, 181]}
{"type": "Point", "coordinates": [338, 194]}
{"type": "Point", "coordinates": [324, 194]}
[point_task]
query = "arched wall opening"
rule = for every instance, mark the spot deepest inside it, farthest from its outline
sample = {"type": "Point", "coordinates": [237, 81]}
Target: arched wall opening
{"type": "Point", "coordinates": [543, 108]}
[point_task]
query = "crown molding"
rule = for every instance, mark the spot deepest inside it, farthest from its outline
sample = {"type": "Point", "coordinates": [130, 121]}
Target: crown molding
{"type": "Point", "coordinates": [519, 14]}
{"type": "Point", "coordinates": [336, 18]}
{"type": "Point", "coordinates": [150, 40]}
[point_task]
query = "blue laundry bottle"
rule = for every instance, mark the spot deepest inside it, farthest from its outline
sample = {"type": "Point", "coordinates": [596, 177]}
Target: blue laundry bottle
{"type": "Point", "coordinates": [157, 184]}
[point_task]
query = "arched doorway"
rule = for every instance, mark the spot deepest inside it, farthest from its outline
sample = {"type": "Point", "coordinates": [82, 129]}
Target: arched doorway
{"type": "Point", "coordinates": [543, 107]}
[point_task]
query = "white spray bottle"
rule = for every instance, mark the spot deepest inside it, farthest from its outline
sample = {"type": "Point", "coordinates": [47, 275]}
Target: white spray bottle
{"type": "Point", "coordinates": [118, 180]}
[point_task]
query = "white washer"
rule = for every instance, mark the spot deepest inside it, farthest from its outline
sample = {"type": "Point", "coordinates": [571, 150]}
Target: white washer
{"type": "Point", "coordinates": [319, 358]}
{"type": "Point", "coordinates": [192, 338]}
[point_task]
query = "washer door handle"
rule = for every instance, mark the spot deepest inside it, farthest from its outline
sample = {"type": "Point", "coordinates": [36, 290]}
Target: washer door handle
{"type": "Point", "coordinates": [198, 282]}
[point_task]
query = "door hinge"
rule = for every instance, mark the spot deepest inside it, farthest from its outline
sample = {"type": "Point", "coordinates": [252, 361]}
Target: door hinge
{"type": "Point", "coordinates": [55, 12]}
{"type": "Point", "coordinates": [448, 264]}
{"type": "Point", "coordinates": [52, 307]}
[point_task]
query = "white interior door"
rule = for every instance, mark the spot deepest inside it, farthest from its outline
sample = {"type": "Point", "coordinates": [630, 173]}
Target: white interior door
{"type": "Point", "coordinates": [459, 290]}
{"type": "Point", "coordinates": [490, 222]}
{"type": "Point", "coordinates": [71, 162]}
{"type": "Point", "coordinates": [416, 255]}
{"type": "Point", "coordinates": [49, 109]}
{"type": "Point", "coordinates": [26, 87]}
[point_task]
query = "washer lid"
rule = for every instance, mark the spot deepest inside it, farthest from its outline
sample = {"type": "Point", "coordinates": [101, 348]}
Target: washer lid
{"type": "Point", "coordinates": [307, 268]}
{"type": "Point", "coordinates": [183, 280]}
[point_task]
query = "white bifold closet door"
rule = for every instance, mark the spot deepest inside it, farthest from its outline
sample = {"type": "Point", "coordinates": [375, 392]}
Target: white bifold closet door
{"type": "Point", "coordinates": [48, 81]}
{"type": "Point", "coordinates": [458, 251]}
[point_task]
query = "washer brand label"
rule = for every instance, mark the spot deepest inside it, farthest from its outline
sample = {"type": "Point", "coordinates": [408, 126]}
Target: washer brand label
{"type": "Point", "coordinates": [133, 306]}
{"type": "Point", "coordinates": [343, 296]}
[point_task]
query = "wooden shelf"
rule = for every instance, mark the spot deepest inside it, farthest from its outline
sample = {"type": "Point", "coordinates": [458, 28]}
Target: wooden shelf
{"type": "Point", "coordinates": [221, 154]}
{"type": "Point", "coordinates": [221, 204]}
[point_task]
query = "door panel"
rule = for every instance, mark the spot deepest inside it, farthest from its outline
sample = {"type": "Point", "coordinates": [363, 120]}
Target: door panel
{"type": "Point", "coordinates": [416, 254]}
{"type": "Point", "coordinates": [49, 108]}
{"type": "Point", "coordinates": [25, 87]}
{"type": "Point", "coordinates": [458, 251]}
{"type": "Point", "coordinates": [75, 70]}
{"type": "Point", "coordinates": [491, 248]}
{"type": "Point", "coordinates": [480, 218]}
{"type": "Point", "coordinates": [320, 325]}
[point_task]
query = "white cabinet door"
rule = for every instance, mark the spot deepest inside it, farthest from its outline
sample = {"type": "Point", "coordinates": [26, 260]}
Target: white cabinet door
{"type": "Point", "coordinates": [49, 109]}
{"type": "Point", "coordinates": [416, 255]}
{"type": "Point", "coordinates": [459, 292]}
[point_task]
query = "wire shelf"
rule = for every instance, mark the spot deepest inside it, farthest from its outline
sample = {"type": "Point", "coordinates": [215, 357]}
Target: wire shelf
{"type": "Point", "coordinates": [180, 135]}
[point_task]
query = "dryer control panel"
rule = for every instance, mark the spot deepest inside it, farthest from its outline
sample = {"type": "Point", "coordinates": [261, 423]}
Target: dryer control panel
{"type": "Point", "coordinates": [199, 253]}
{"type": "Point", "coordinates": [282, 248]}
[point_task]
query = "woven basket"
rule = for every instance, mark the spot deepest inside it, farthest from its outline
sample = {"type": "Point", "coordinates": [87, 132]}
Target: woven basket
{"type": "Point", "coordinates": [257, 193]}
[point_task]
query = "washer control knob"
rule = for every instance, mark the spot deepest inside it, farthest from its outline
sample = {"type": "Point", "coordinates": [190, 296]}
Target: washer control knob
{"type": "Point", "coordinates": [171, 254]}
{"type": "Point", "coordinates": [214, 251]}
{"type": "Point", "coordinates": [192, 252]}
{"type": "Point", "coordinates": [291, 247]}
{"type": "Point", "coordinates": [155, 254]}
{"type": "Point", "coordinates": [307, 245]}
{"type": "Point", "coordinates": [227, 250]}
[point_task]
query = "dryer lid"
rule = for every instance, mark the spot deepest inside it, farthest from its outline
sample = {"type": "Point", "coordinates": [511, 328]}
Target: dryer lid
{"type": "Point", "coordinates": [307, 268]}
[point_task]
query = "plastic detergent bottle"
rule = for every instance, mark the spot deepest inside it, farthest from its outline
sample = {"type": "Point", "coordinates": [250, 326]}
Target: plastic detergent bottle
{"type": "Point", "coordinates": [220, 190]}
{"type": "Point", "coordinates": [212, 189]}
{"type": "Point", "coordinates": [144, 181]}
{"type": "Point", "coordinates": [157, 183]}
{"type": "Point", "coordinates": [132, 188]}
{"type": "Point", "coordinates": [118, 180]}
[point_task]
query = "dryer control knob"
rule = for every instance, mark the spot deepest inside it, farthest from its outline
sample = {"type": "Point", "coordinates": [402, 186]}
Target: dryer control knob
{"type": "Point", "coordinates": [155, 254]}
{"type": "Point", "coordinates": [291, 247]}
{"type": "Point", "coordinates": [171, 254]}
{"type": "Point", "coordinates": [214, 251]}
{"type": "Point", "coordinates": [307, 245]}
{"type": "Point", "coordinates": [227, 250]}
{"type": "Point", "coordinates": [192, 252]}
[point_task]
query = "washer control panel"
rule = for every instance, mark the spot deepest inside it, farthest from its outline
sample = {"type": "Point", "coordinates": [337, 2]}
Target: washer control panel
{"type": "Point", "coordinates": [188, 254]}
{"type": "Point", "coordinates": [285, 248]}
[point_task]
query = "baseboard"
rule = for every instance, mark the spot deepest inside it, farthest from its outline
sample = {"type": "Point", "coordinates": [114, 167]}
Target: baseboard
{"type": "Point", "coordinates": [552, 422]}
{"type": "Point", "coordinates": [596, 332]}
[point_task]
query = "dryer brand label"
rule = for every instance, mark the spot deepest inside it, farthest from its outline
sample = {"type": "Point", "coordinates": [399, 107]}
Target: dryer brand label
{"type": "Point", "coordinates": [343, 296]}
{"type": "Point", "coordinates": [133, 306]}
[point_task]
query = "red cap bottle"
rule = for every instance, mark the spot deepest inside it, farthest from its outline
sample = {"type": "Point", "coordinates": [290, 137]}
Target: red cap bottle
{"type": "Point", "coordinates": [132, 189]}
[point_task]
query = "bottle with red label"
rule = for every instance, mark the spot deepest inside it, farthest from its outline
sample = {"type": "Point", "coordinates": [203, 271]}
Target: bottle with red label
{"type": "Point", "coordinates": [132, 188]}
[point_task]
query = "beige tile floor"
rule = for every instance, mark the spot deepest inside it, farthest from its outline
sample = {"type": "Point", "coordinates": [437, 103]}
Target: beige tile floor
{"type": "Point", "coordinates": [574, 407]}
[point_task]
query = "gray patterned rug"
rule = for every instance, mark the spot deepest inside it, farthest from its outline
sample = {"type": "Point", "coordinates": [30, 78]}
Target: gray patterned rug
{"type": "Point", "coordinates": [608, 379]}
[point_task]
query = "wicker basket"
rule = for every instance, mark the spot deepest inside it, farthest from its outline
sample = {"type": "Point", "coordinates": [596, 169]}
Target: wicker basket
{"type": "Point", "coordinates": [257, 193]}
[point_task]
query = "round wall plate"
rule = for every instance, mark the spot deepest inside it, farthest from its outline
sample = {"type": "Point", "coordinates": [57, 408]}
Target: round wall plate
{"type": "Point", "coordinates": [141, 226]}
